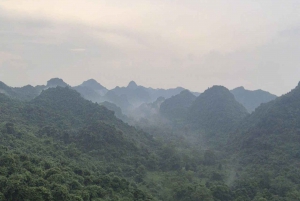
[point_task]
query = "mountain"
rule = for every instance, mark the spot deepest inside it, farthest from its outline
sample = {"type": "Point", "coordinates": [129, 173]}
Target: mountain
{"type": "Point", "coordinates": [176, 107]}
{"type": "Point", "coordinates": [25, 93]}
{"type": "Point", "coordinates": [251, 99]}
{"type": "Point", "coordinates": [55, 105]}
{"type": "Point", "coordinates": [60, 146]}
{"type": "Point", "coordinates": [275, 120]}
{"type": "Point", "coordinates": [136, 95]}
{"type": "Point", "coordinates": [88, 93]}
{"type": "Point", "coordinates": [166, 93]}
{"type": "Point", "coordinates": [4, 89]}
{"type": "Point", "coordinates": [266, 148]}
{"type": "Point", "coordinates": [54, 82]}
{"type": "Point", "coordinates": [94, 85]}
{"type": "Point", "coordinates": [29, 92]}
{"type": "Point", "coordinates": [147, 110]}
{"type": "Point", "coordinates": [215, 110]}
{"type": "Point", "coordinates": [117, 110]}
{"type": "Point", "coordinates": [127, 98]}
{"type": "Point", "coordinates": [119, 100]}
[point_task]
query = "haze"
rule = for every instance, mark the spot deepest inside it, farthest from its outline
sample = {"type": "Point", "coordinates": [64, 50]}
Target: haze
{"type": "Point", "coordinates": [193, 44]}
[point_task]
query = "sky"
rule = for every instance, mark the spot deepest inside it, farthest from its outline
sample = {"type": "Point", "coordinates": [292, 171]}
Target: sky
{"type": "Point", "coordinates": [157, 43]}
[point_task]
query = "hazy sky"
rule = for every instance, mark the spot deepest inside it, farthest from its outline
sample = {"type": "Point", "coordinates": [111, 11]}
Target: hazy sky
{"type": "Point", "coordinates": [158, 43]}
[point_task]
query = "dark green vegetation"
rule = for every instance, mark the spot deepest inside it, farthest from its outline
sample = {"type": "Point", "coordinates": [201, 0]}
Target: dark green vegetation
{"type": "Point", "coordinates": [23, 93]}
{"type": "Point", "coordinates": [59, 146]}
{"type": "Point", "coordinates": [176, 107]}
{"type": "Point", "coordinates": [251, 99]}
{"type": "Point", "coordinates": [216, 110]}
{"type": "Point", "coordinates": [213, 114]}
{"type": "Point", "coordinates": [267, 147]}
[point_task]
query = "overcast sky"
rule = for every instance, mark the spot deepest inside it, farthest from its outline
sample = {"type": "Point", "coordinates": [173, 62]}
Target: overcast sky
{"type": "Point", "coordinates": [158, 43]}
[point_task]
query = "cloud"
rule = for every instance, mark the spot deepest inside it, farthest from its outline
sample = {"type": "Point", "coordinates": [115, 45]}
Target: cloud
{"type": "Point", "coordinates": [193, 44]}
{"type": "Point", "coordinates": [78, 49]}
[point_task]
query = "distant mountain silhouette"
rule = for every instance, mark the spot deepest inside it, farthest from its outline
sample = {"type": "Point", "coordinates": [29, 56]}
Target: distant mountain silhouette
{"type": "Point", "coordinates": [215, 110]}
{"type": "Point", "coordinates": [26, 93]}
{"type": "Point", "coordinates": [91, 90]}
{"type": "Point", "coordinates": [135, 94]}
{"type": "Point", "coordinates": [251, 99]}
{"type": "Point", "coordinates": [132, 85]}
{"type": "Point", "coordinates": [138, 95]}
{"type": "Point", "coordinates": [54, 82]}
{"type": "Point", "coordinates": [176, 107]}
{"type": "Point", "coordinates": [166, 93]}
{"type": "Point", "coordinates": [94, 85]}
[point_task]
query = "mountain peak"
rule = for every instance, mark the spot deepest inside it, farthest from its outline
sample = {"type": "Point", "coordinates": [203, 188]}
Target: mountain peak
{"type": "Point", "coordinates": [215, 110]}
{"type": "Point", "coordinates": [176, 107]}
{"type": "Point", "coordinates": [239, 88]}
{"type": "Point", "coordinates": [132, 84]}
{"type": "Point", "coordinates": [218, 90]}
{"type": "Point", "coordinates": [185, 92]}
{"type": "Point", "coordinates": [91, 83]}
{"type": "Point", "coordinates": [56, 82]}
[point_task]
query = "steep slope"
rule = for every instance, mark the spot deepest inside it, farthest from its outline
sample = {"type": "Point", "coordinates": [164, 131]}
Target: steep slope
{"type": "Point", "coordinates": [266, 148]}
{"type": "Point", "coordinates": [63, 114]}
{"type": "Point", "coordinates": [176, 107]}
{"type": "Point", "coordinates": [251, 99]}
{"type": "Point", "coordinates": [57, 105]}
{"type": "Point", "coordinates": [88, 93]}
{"type": "Point", "coordinates": [4, 89]}
{"type": "Point", "coordinates": [50, 159]}
{"type": "Point", "coordinates": [215, 110]}
{"type": "Point", "coordinates": [117, 110]}
{"type": "Point", "coordinates": [95, 86]}
{"type": "Point", "coordinates": [273, 122]}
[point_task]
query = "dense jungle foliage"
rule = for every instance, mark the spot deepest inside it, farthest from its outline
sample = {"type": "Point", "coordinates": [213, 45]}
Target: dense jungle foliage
{"type": "Point", "coordinates": [59, 146]}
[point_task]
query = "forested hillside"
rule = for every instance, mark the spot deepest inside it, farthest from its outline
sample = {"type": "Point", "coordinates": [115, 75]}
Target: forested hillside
{"type": "Point", "coordinates": [176, 107]}
{"type": "Point", "coordinates": [266, 148]}
{"type": "Point", "coordinates": [215, 110]}
{"type": "Point", "coordinates": [60, 146]}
